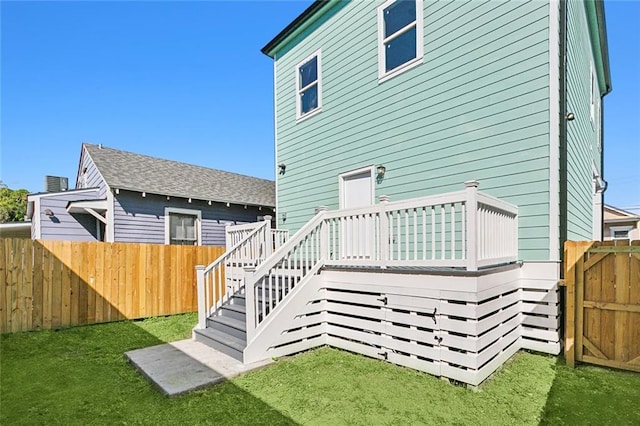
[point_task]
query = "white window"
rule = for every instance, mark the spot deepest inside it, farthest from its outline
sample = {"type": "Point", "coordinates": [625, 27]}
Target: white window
{"type": "Point", "coordinates": [620, 232]}
{"type": "Point", "coordinates": [309, 86]}
{"type": "Point", "coordinates": [182, 226]}
{"type": "Point", "coordinates": [400, 37]}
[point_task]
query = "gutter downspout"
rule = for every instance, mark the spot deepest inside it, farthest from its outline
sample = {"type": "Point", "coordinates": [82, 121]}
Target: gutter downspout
{"type": "Point", "coordinates": [563, 132]}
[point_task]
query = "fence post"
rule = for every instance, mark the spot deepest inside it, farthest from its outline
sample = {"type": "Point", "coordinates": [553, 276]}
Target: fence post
{"type": "Point", "coordinates": [384, 231]}
{"type": "Point", "coordinates": [268, 238]}
{"type": "Point", "coordinates": [472, 224]}
{"type": "Point", "coordinates": [250, 302]}
{"type": "Point", "coordinates": [202, 302]}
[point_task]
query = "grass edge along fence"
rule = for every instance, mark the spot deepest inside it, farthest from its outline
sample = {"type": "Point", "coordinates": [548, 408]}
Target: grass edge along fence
{"type": "Point", "coordinates": [52, 284]}
{"type": "Point", "coordinates": [602, 305]}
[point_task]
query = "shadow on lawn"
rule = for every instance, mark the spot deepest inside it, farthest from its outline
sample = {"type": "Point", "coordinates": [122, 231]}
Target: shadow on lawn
{"type": "Point", "coordinates": [80, 376]}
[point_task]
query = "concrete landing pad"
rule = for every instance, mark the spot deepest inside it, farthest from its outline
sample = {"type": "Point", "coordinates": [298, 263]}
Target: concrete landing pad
{"type": "Point", "coordinates": [186, 365]}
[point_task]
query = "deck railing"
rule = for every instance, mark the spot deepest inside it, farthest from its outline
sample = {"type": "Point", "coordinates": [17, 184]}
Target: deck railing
{"type": "Point", "coordinates": [234, 234]}
{"type": "Point", "coordinates": [223, 277]}
{"type": "Point", "coordinates": [464, 229]}
{"type": "Point", "coordinates": [248, 245]}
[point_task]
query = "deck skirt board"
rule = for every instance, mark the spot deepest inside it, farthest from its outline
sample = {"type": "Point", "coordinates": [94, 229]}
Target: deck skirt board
{"type": "Point", "coordinates": [458, 326]}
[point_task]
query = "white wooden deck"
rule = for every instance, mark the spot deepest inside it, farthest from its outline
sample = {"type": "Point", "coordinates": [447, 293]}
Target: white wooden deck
{"type": "Point", "coordinates": [431, 283]}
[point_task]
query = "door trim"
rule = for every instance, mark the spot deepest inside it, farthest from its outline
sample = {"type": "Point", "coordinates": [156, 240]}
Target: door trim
{"type": "Point", "coordinates": [343, 176]}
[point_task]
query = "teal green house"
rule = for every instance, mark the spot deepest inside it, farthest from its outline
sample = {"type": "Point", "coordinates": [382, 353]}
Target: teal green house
{"type": "Point", "coordinates": [432, 158]}
{"type": "Point", "coordinates": [472, 90]}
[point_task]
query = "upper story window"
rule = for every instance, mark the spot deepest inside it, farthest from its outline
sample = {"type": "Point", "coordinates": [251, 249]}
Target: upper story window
{"type": "Point", "coordinates": [400, 36]}
{"type": "Point", "coordinates": [309, 86]}
{"type": "Point", "coordinates": [182, 226]}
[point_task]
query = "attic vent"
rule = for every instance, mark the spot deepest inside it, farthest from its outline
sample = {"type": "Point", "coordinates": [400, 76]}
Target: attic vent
{"type": "Point", "coordinates": [55, 183]}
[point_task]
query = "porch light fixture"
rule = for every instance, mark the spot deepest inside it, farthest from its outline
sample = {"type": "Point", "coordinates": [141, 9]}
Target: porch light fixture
{"type": "Point", "coordinates": [570, 116]}
{"type": "Point", "coordinates": [282, 167]}
{"type": "Point", "coordinates": [48, 212]}
{"type": "Point", "coordinates": [380, 171]}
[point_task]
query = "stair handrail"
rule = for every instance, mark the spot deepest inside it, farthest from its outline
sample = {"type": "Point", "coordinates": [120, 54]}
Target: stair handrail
{"type": "Point", "coordinates": [254, 276]}
{"type": "Point", "coordinates": [204, 273]}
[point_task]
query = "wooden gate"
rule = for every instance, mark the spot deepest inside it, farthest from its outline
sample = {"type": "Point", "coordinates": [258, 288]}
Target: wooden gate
{"type": "Point", "coordinates": [602, 306]}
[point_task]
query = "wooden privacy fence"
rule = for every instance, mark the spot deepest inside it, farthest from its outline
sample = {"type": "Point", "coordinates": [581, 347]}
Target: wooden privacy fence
{"type": "Point", "coordinates": [51, 284]}
{"type": "Point", "coordinates": [602, 323]}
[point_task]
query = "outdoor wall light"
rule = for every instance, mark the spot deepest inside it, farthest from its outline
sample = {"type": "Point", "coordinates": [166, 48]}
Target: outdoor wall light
{"type": "Point", "coordinates": [570, 116]}
{"type": "Point", "coordinates": [48, 212]}
{"type": "Point", "coordinates": [381, 170]}
{"type": "Point", "coordinates": [282, 167]}
{"type": "Point", "coordinates": [284, 216]}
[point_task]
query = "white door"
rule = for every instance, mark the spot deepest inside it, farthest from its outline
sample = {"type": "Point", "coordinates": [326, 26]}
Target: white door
{"type": "Point", "coordinates": [356, 190]}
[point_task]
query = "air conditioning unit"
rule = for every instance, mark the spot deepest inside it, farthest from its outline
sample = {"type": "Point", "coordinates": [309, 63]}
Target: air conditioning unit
{"type": "Point", "coordinates": [55, 183]}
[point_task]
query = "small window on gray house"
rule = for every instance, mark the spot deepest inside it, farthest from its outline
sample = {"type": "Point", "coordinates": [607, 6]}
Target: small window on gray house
{"type": "Point", "coordinates": [308, 86]}
{"type": "Point", "coordinates": [182, 227]}
{"type": "Point", "coordinates": [400, 35]}
{"type": "Point", "coordinates": [620, 232]}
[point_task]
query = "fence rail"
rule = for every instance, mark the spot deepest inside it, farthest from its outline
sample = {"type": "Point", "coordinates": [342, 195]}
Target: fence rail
{"type": "Point", "coordinates": [52, 284]}
{"type": "Point", "coordinates": [602, 312]}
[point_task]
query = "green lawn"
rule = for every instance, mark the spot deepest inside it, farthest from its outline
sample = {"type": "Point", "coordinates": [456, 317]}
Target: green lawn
{"type": "Point", "coordinates": [79, 376]}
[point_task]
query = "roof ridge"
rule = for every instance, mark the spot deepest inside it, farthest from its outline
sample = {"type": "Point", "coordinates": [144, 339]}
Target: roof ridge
{"type": "Point", "coordinates": [101, 147]}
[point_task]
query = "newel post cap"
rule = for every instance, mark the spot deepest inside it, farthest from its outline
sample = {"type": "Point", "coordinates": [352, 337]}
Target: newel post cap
{"type": "Point", "coordinates": [472, 184]}
{"type": "Point", "coordinates": [321, 209]}
{"type": "Point", "coordinates": [384, 198]}
{"type": "Point", "coordinates": [267, 218]}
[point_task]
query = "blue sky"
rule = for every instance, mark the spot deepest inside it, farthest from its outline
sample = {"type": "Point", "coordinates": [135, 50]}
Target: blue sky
{"type": "Point", "coordinates": [187, 81]}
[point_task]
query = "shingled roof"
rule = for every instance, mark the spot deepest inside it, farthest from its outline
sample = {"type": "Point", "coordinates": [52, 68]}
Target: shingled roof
{"type": "Point", "coordinates": [142, 173]}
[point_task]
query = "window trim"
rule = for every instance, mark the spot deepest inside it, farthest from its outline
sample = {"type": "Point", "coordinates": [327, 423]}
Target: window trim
{"type": "Point", "coordinates": [614, 229]}
{"type": "Point", "coordinates": [299, 115]}
{"type": "Point", "coordinates": [384, 75]}
{"type": "Point", "coordinates": [190, 212]}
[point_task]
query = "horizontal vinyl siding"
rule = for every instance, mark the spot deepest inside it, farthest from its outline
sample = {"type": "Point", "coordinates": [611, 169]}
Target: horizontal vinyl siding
{"type": "Point", "coordinates": [477, 108]}
{"type": "Point", "coordinates": [94, 178]}
{"type": "Point", "coordinates": [582, 149]}
{"type": "Point", "coordinates": [141, 219]}
{"type": "Point", "coordinates": [63, 225]}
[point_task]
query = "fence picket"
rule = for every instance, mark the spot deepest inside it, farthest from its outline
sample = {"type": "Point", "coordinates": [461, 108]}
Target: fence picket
{"type": "Point", "coordinates": [602, 280]}
{"type": "Point", "coordinates": [51, 284]}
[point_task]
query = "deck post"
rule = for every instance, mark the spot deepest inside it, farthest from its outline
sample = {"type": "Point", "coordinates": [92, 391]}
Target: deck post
{"type": "Point", "coordinates": [324, 235]}
{"type": "Point", "coordinates": [384, 231]}
{"type": "Point", "coordinates": [268, 237]}
{"type": "Point", "coordinates": [228, 243]}
{"type": "Point", "coordinates": [202, 302]}
{"type": "Point", "coordinates": [250, 301]}
{"type": "Point", "coordinates": [472, 224]}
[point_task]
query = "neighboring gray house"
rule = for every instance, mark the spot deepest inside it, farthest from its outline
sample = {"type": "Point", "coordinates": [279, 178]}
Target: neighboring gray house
{"type": "Point", "coordinates": [126, 197]}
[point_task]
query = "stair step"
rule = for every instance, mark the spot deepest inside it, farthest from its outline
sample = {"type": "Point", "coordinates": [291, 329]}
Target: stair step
{"type": "Point", "coordinates": [222, 342]}
{"type": "Point", "coordinates": [231, 326]}
{"type": "Point", "coordinates": [238, 312]}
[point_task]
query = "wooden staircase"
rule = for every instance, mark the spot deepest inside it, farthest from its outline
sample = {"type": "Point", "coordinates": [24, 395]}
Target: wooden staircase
{"type": "Point", "coordinates": [226, 330]}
